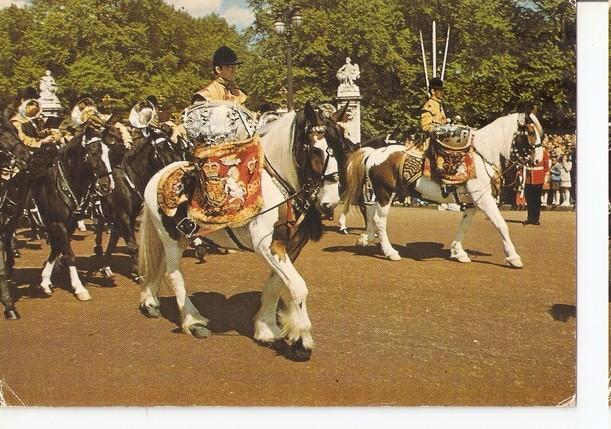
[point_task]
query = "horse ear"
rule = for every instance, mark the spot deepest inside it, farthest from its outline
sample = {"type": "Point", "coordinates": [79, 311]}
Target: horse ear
{"type": "Point", "coordinates": [310, 112]}
{"type": "Point", "coordinates": [339, 115]}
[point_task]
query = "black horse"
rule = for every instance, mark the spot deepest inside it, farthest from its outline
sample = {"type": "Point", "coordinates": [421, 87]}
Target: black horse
{"type": "Point", "coordinates": [151, 152]}
{"type": "Point", "coordinates": [63, 191]}
{"type": "Point", "coordinates": [14, 186]}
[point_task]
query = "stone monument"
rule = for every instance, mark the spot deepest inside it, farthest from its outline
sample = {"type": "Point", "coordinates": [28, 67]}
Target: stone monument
{"type": "Point", "coordinates": [348, 91]}
{"type": "Point", "coordinates": [49, 103]}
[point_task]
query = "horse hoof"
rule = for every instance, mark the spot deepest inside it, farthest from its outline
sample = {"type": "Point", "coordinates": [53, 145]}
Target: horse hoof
{"type": "Point", "coordinates": [107, 273]}
{"type": "Point", "coordinates": [83, 296]}
{"type": "Point", "coordinates": [98, 251]}
{"type": "Point", "coordinates": [362, 241]}
{"type": "Point", "coordinates": [394, 257]}
{"type": "Point", "coordinates": [43, 291]}
{"type": "Point", "coordinates": [297, 352]}
{"type": "Point", "coordinates": [149, 311]}
{"type": "Point", "coordinates": [461, 258]}
{"type": "Point", "coordinates": [344, 231]}
{"type": "Point", "coordinates": [137, 278]}
{"type": "Point", "coordinates": [199, 331]}
{"type": "Point", "coordinates": [11, 315]}
{"type": "Point", "coordinates": [515, 262]}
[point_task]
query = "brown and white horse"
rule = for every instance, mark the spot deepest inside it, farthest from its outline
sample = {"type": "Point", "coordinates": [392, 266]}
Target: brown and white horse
{"type": "Point", "coordinates": [515, 137]}
{"type": "Point", "coordinates": [301, 149]}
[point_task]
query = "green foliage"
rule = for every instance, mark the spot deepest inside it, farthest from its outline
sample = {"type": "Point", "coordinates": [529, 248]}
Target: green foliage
{"type": "Point", "coordinates": [503, 54]}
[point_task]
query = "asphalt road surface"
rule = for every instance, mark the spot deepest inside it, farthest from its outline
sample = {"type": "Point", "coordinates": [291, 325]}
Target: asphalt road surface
{"type": "Point", "coordinates": [421, 331]}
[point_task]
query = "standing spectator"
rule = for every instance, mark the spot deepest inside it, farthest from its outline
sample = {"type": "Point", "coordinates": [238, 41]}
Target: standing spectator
{"type": "Point", "coordinates": [520, 202]}
{"type": "Point", "coordinates": [546, 183]}
{"type": "Point", "coordinates": [565, 180]}
{"type": "Point", "coordinates": [533, 184]}
{"type": "Point", "coordinates": [555, 181]}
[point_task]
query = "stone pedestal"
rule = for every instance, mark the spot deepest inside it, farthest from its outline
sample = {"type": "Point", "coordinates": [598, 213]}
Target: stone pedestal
{"type": "Point", "coordinates": [352, 95]}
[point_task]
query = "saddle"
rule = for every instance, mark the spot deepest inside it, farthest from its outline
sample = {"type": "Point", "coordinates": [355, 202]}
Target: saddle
{"type": "Point", "coordinates": [220, 188]}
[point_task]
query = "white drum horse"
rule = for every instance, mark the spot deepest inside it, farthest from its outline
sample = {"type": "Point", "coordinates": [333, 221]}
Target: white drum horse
{"type": "Point", "coordinates": [299, 150]}
{"type": "Point", "coordinates": [516, 137]}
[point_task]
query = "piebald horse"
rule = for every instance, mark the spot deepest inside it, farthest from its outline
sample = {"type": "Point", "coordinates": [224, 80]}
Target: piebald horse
{"type": "Point", "coordinates": [516, 137]}
{"type": "Point", "coordinates": [300, 151]}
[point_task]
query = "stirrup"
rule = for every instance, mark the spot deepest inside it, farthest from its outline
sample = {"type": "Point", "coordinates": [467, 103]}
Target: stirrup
{"type": "Point", "coordinates": [447, 190]}
{"type": "Point", "coordinates": [188, 227]}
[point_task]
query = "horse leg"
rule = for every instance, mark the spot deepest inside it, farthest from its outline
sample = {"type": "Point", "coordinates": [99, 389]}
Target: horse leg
{"type": "Point", "coordinates": [487, 204]}
{"type": "Point", "coordinates": [99, 230]}
{"type": "Point", "coordinates": [192, 322]}
{"type": "Point", "coordinates": [295, 323]}
{"type": "Point", "coordinates": [126, 229]}
{"type": "Point", "coordinates": [370, 236]}
{"type": "Point", "coordinates": [343, 229]}
{"type": "Point", "coordinates": [63, 234]}
{"type": "Point", "coordinates": [110, 248]}
{"type": "Point", "coordinates": [456, 250]}
{"type": "Point", "coordinates": [380, 219]}
{"type": "Point", "coordinates": [6, 297]}
{"type": "Point", "coordinates": [266, 327]}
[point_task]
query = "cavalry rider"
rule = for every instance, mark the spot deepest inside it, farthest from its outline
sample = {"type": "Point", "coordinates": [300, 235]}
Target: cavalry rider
{"type": "Point", "coordinates": [431, 116]}
{"type": "Point", "coordinates": [87, 111]}
{"type": "Point", "coordinates": [23, 121]}
{"type": "Point", "coordinates": [225, 64]}
{"type": "Point", "coordinates": [432, 112]}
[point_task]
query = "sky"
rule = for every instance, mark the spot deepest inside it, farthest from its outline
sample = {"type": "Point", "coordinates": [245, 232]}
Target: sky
{"type": "Point", "coordinates": [235, 12]}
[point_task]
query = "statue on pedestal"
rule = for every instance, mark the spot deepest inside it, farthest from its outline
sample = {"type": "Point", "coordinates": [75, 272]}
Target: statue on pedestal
{"type": "Point", "coordinates": [348, 73]}
{"type": "Point", "coordinates": [49, 103]}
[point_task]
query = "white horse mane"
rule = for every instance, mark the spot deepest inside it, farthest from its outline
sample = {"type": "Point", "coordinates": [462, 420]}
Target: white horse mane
{"type": "Point", "coordinates": [495, 139]}
{"type": "Point", "coordinates": [278, 145]}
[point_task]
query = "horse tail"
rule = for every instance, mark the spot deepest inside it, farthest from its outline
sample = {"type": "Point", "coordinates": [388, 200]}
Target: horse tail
{"type": "Point", "coordinates": [151, 257]}
{"type": "Point", "coordinates": [355, 178]}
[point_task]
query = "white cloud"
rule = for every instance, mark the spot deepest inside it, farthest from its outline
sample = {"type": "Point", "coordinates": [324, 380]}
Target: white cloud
{"type": "Point", "coordinates": [19, 3]}
{"type": "Point", "coordinates": [240, 17]}
{"type": "Point", "coordinates": [196, 7]}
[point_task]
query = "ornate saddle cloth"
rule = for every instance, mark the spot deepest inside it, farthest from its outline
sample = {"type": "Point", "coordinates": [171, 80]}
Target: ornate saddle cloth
{"type": "Point", "coordinates": [410, 167]}
{"type": "Point", "coordinates": [451, 154]}
{"type": "Point", "coordinates": [228, 185]}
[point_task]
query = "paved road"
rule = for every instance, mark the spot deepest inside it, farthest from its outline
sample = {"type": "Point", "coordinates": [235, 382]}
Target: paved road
{"type": "Point", "coordinates": [423, 330]}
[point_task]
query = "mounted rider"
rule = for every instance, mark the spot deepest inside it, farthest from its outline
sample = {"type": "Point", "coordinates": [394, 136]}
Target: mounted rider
{"type": "Point", "coordinates": [432, 112]}
{"type": "Point", "coordinates": [225, 64]}
{"type": "Point", "coordinates": [432, 121]}
{"type": "Point", "coordinates": [86, 112]}
{"type": "Point", "coordinates": [28, 121]}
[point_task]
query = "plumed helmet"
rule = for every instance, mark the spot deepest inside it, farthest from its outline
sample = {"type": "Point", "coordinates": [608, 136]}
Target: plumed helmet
{"type": "Point", "coordinates": [224, 56]}
{"type": "Point", "coordinates": [29, 93]}
{"type": "Point", "coordinates": [435, 83]}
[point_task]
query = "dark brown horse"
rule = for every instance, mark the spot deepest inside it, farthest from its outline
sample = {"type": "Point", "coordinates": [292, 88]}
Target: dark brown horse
{"type": "Point", "coordinates": [63, 191]}
{"type": "Point", "coordinates": [14, 186]}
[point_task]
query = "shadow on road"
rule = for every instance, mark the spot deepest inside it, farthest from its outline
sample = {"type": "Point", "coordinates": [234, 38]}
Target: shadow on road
{"type": "Point", "coordinates": [235, 313]}
{"type": "Point", "coordinates": [562, 312]}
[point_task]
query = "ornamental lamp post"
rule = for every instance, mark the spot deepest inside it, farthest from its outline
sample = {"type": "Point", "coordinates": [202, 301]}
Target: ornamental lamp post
{"type": "Point", "coordinates": [286, 21]}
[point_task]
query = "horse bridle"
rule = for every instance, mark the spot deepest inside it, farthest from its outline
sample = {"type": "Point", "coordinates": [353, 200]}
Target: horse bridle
{"type": "Point", "coordinates": [521, 148]}
{"type": "Point", "coordinates": [87, 159]}
{"type": "Point", "coordinates": [313, 183]}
